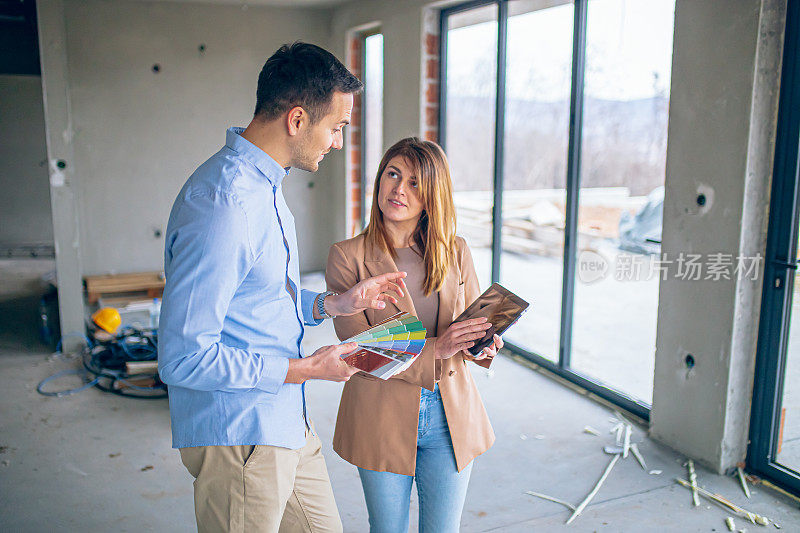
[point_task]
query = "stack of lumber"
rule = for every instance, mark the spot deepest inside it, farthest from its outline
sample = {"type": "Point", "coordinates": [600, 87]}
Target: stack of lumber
{"type": "Point", "coordinates": [150, 284]}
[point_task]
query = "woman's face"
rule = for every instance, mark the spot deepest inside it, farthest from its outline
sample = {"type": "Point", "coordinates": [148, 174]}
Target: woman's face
{"type": "Point", "coordinates": [398, 195]}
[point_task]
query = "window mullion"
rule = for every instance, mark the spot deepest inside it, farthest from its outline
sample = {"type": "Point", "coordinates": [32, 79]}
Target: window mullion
{"type": "Point", "coordinates": [499, 138]}
{"type": "Point", "coordinates": [573, 180]}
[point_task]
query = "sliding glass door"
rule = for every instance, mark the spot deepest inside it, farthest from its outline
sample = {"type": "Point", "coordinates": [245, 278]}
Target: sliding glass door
{"type": "Point", "coordinates": [567, 133]}
{"type": "Point", "coordinates": [774, 450]}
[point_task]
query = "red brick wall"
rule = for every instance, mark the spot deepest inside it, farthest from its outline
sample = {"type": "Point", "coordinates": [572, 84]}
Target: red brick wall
{"type": "Point", "coordinates": [353, 147]}
{"type": "Point", "coordinates": [430, 85]}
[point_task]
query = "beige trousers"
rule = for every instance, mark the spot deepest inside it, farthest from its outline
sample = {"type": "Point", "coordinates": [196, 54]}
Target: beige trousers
{"type": "Point", "coordinates": [249, 489]}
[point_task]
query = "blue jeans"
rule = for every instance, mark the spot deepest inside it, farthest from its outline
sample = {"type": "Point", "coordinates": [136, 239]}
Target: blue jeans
{"type": "Point", "coordinates": [441, 488]}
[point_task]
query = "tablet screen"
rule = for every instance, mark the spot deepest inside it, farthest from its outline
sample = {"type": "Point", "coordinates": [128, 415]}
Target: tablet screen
{"type": "Point", "coordinates": [500, 306]}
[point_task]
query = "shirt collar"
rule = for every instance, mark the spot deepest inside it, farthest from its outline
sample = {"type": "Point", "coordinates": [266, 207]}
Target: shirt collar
{"type": "Point", "coordinates": [258, 157]}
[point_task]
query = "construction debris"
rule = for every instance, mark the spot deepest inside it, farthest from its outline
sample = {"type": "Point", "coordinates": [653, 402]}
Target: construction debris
{"type": "Point", "coordinates": [622, 418]}
{"type": "Point", "coordinates": [693, 482]}
{"type": "Point", "coordinates": [778, 489]}
{"type": "Point", "coordinates": [596, 488]}
{"type": "Point", "coordinates": [636, 453]}
{"type": "Point", "coordinates": [730, 524]}
{"type": "Point", "coordinates": [591, 431]}
{"type": "Point", "coordinates": [550, 498]}
{"type": "Point", "coordinates": [753, 517]}
{"type": "Point", "coordinates": [626, 443]}
{"type": "Point", "coordinates": [740, 473]}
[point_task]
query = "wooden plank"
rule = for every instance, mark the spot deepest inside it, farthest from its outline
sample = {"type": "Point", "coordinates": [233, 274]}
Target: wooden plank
{"type": "Point", "coordinates": [141, 367]}
{"type": "Point", "coordinates": [120, 282]}
{"type": "Point", "coordinates": [123, 301]}
{"type": "Point", "coordinates": [150, 282]}
{"type": "Point", "coordinates": [124, 282]}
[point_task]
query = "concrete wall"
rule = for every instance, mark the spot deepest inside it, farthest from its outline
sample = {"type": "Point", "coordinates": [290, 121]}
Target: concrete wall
{"type": "Point", "coordinates": [139, 134]}
{"type": "Point", "coordinates": [25, 203]}
{"type": "Point", "coordinates": [723, 108]}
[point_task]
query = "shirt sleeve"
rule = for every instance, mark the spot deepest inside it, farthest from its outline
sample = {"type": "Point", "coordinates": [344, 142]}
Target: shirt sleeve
{"type": "Point", "coordinates": [208, 255]}
{"type": "Point", "coordinates": [307, 305]}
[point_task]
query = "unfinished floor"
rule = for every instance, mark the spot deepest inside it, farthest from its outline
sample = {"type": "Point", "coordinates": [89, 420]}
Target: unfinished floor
{"type": "Point", "coordinates": [95, 462]}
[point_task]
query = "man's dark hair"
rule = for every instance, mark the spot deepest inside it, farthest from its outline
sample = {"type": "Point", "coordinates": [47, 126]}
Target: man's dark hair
{"type": "Point", "coordinates": [305, 75]}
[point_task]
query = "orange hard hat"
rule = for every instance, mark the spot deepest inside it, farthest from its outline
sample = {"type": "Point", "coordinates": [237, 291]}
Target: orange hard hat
{"type": "Point", "coordinates": [108, 319]}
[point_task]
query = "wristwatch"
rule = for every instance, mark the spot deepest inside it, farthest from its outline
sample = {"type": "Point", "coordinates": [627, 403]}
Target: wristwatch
{"type": "Point", "coordinates": [321, 303]}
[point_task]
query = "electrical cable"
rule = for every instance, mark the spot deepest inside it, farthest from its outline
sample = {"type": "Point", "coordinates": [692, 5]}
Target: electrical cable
{"type": "Point", "coordinates": [106, 362]}
{"type": "Point", "coordinates": [68, 372]}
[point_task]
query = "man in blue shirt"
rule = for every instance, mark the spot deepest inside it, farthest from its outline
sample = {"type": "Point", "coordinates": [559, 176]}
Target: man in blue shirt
{"type": "Point", "coordinates": [233, 313]}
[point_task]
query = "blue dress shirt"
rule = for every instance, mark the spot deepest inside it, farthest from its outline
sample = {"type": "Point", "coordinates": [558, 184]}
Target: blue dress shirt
{"type": "Point", "coordinates": [230, 319]}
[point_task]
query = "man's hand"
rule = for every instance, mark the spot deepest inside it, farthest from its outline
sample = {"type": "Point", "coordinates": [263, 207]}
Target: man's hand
{"type": "Point", "coordinates": [460, 336]}
{"type": "Point", "coordinates": [326, 363]}
{"type": "Point", "coordinates": [372, 293]}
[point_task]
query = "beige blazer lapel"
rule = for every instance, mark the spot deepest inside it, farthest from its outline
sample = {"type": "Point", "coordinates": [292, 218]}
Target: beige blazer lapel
{"type": "Point", "coordinates": [377, 262]}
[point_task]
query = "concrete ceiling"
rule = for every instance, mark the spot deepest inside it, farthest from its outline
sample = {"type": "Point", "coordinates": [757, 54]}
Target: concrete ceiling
{"type": "Point", "coordinates": [274, 3]}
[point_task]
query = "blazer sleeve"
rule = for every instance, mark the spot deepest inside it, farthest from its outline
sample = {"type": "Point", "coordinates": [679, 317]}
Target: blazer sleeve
{"type": "Point", "coordinates": [340, 276]}
{"type": "Point", "coordinates": [471, 291]}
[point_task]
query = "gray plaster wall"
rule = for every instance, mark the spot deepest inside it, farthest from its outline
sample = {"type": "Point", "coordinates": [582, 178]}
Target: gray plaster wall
{"type": "Point", "coordinates": [25, 203]}
{"type": "Point", "coordinates": [138, 135]}
{"type": "Point", "coordinates": [725, 78]}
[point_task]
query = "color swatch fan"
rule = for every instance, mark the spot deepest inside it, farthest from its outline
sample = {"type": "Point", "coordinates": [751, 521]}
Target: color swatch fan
{"type": "Point", "coordinates": [389, 347]}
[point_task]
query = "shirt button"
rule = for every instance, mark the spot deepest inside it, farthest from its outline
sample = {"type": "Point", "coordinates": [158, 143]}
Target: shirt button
{"type": "Point", "coordinates": [451, 372]}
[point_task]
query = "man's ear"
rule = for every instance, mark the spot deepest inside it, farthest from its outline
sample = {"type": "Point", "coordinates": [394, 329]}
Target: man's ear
{"type": "Point", "coordinates": [296, 119]}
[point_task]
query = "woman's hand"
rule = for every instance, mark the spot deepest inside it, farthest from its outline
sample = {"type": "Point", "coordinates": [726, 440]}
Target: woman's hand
{"type": "Point", "coordinates": [489, 351]}
{"type": "Point", "coordinates": [460, 336]}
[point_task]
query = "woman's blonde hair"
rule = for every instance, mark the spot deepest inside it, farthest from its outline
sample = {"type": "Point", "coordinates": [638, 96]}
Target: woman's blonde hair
{"type": "Point", "coordinates": [435, 234]}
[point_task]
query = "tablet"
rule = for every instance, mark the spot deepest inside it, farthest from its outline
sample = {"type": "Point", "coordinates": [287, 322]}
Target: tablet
{"type": "Point", "coordinates": [501, 306]}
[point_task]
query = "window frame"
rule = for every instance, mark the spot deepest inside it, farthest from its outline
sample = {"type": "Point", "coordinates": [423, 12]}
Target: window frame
{"type": "Point", "coordinates": [779, 269]}
{"type": "Point", "coordinates": [573, 183]}
{"type": "Point", "coordinates": [363, 36]}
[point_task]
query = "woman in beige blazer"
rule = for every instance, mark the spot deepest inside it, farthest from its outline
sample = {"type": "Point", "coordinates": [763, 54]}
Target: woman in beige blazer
{"type": "Point", "coordinates": [427, 423]}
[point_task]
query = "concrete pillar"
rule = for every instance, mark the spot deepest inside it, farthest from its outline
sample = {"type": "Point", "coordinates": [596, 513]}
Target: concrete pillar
{"type": "Point", "coordinates": [723, 109]}
{"type": "Point", "coordinates": [61, 167]}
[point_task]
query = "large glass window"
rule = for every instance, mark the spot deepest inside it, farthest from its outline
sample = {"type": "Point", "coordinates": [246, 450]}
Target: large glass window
{"type": "Point", "coordinates": [470, 116]}
{"type": "Point", "coordinates": [582, 94]}
{"type": "Point", "coordinates": [539, 63]}
{"type": "Point", "coordinates": [623, 160]}
{"type": "Point", "coordinates": [372, 118]}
